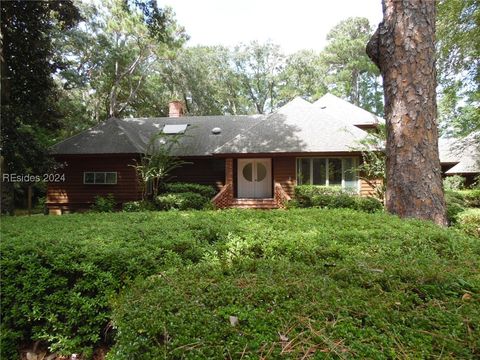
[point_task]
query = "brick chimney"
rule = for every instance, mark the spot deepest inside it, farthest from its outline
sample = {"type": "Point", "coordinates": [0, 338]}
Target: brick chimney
{"type": "Point", "coordinates": [175, 108]}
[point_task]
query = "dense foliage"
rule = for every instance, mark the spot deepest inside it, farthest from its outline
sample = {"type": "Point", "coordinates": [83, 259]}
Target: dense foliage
{"type": "Point", "coordinates": [458, 65]}
{"type": "Point", "coordinates": [30, 114]}
{"type": "Point", "coordinates": [298, 280]}
{"type": "Point", "coordinates": [332, 197]}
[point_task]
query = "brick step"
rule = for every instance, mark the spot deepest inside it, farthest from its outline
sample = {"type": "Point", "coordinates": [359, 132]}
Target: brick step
{"type": "Point", "coordinates": [254, 204]}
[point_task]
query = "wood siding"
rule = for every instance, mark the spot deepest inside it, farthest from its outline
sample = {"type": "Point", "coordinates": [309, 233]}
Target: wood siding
{"type": "Point", "coordinates": [284, 173]}
{"type": "Point", "coordinates": [366, 189]}
{"type": "Point", "coordinates": [73, 194]}
{"type": "Point", "coordinates": [204, 171]}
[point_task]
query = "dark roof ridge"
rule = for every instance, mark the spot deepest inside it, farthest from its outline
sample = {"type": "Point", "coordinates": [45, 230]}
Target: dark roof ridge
{"type": "Point", "coordinates": [129, 138]}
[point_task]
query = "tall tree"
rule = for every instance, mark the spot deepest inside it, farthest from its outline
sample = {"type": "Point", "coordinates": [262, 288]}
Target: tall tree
{"type": "Point", "coordinates": [29, 110]}
{"type": "Point", "coordinates": [350, 73]}
{"type": "Point", "coordinates": [458, 64]}
{"type": "Point", "coordinates": [258, 67]}
{"type": "Point", "coordinates": [403, 47]}
{"type": "Point", "coordinates": [304, 76]}
{"type": "Point", "coordinates": [203, 77]}
{"type": "Point", "coordinates": [114, 53]}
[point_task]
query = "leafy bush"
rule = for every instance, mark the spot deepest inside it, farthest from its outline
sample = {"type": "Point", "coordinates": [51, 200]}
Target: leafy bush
{"type": "Point", "coordinates": [181, 201]}
{"type": "Point", "coordinates": [368, 204]}
{"type": "Point", "coordinates": [455, 205]}
{"type": "Point", "coordinates": [454, 182]}
{"type": "Point", "coordinates": [328, 290]}
{"type": "Point", "coordinates": [305, 194]}
{"type": "Point", "coordinates": [471, 197]}
{"type": "Point", "coordinates": [364, 282]}
{"type": "Point", "coordinates": [133, 206]}
{"type": "Point", "coordinates": [332, 198]}
{"type": "Point", "coordinates": [204, 190]}
{"type": "Point", "coordinates": [104, 204]}
{"type": "Point", "coordinates": [469, 221]}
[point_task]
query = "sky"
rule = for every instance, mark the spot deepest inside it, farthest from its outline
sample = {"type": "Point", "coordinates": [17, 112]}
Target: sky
{"type": "Point", "coordinates": [292, 24]}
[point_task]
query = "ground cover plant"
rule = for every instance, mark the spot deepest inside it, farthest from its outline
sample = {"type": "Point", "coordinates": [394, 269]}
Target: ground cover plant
{"type": "Point", "coordinates": [218, 284]}
{"type": "Point", "coordinates": [333, 197]}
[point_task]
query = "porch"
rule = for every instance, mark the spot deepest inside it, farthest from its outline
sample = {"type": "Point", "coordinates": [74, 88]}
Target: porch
{"type": "Point", "coordinates": [254, 183]}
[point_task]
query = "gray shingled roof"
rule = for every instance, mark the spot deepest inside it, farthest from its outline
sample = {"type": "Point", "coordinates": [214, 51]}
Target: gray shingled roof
{"type": "Point", "coordinates": [120, 136]}
{"type": "Point", "coordinates": [299, 126]}
{"type": "Point", "coordinates": [296, 127]}
{"type": "Point", "coordinates": [465, 152]}
{"type": "Point", "coordinates": [350, 113]}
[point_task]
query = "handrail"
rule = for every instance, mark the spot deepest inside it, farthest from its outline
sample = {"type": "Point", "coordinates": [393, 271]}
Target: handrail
{"type": "Point", "coordinates": [225, 192]}
{"type": "Point", "coordinates": [281, 196]}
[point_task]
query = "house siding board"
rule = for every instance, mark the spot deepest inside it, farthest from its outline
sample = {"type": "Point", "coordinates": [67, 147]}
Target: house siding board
{"type": "Point", "coordinates": [204, 171]}
{"type": "Point", "coordinates": [366, 189]}
{"type": "Point", "coordinates": [73, 194]}
{"type": "Point", "coordinates": [284, 173]}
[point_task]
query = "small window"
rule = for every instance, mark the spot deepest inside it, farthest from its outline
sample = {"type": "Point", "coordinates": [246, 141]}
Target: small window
{"type": "Point", "coordinates": [100, 178]}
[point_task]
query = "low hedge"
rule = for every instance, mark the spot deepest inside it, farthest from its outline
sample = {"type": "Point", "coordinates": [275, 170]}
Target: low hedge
{"type": "Point", "coordinates": [471, 197]}
{"type": "Point", "coordinates": [338, 279]}
{"type": "Point", "coordinates": [181, 201]}
{"type": "Point", "coordinates": [332, 197]}
{"type": "Point", "coordinates": [204, 190]}
{"type": "Point", "coordinates": [469, 222]}
{"type": "Point", "coordinates": [141, 205]}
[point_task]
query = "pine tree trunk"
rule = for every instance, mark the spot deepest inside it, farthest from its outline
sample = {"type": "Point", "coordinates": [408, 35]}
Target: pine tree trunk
{"type": "Point", "coordinates": [403, 47]}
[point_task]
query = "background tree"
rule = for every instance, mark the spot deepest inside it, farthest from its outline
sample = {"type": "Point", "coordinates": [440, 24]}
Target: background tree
{"type": "Point", "coordinates": [304, 76]}
{"type": "Point", "coordinates": [258, 66]}
{"type": "Point", "coordinates": [29, 112]}
{"type": "Point", "coordinates": [114, 53]}
{"type": "Point", "coordinates": [404, 50]}
{"type": "Point", "coordinates": [350, 73]}
{"type": "Point", "coordinates": [458, 65]}
{"type": "Point", "coordinates": [204, 79]}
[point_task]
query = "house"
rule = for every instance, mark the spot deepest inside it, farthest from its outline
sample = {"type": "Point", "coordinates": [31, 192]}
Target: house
{"type": "Point", "coordinates": [253, 161]}
{"type": "Point", "coordinates": [461, 156]}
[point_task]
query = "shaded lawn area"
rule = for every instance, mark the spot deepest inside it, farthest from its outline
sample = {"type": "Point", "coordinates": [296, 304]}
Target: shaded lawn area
{"type": "Point", "coordinates": [241, 284]}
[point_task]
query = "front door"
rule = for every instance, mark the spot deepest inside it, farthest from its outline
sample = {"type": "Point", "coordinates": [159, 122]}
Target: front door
{"type": "Point", "coordinates": [254, 178]}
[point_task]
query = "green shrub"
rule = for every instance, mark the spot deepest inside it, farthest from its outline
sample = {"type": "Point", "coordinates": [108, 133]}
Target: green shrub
{"type": "Point", "coordinates": [134, 206]}
{"type": "Point", "coordinates": [371, 281]}
{"type": "Point", "coordinates": [333, 198]}
{"type": "Point", "coordinates": [181, 201]}
{"type": "Point", "coordinates": [343, 201]}
{"type": "Point", "coordinates": [204, 190]}
{"type": "Point", "coordinates": [104, 204]}
{"type": "Point", "coordinates": [469, 222]}
{"type": "Point", "coordinates": [471, 197]}
{"type": "Point", "coordinates": [368, 204]}
{"type": "Point", "coordinates": [454, 182]}
{"type": "Point", "coordinates": [305, 194]}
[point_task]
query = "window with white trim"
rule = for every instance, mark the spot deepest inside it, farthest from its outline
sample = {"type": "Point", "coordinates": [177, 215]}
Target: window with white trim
{"type": "Point", "coordinates": [100, 178]}
{"type": "Point", "coordinates": [328, 171]}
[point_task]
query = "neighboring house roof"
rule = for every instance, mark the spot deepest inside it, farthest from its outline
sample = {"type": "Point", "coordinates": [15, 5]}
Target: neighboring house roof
{"type": "Point", "coordinates": [342, 109]}
{"type": "Point", "coordinates": [299, 126]}
{"type": "Point", "coordinates": [465, 153]}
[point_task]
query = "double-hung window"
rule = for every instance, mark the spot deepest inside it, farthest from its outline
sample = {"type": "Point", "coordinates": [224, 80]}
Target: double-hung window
{"type": "Point", "coordinates": [328, 171]}
{"type": "Point", "coordinates": [100, 177]}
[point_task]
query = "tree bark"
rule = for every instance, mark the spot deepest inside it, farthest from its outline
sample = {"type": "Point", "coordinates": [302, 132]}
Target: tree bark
{"type": "Point", "coordinates": [403, 48]}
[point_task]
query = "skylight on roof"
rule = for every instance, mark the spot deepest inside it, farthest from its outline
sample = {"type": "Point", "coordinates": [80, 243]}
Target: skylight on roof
{"type": "Point", "coordinates": [175, 129]}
